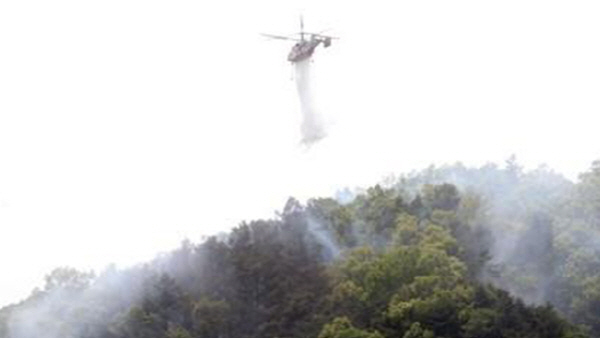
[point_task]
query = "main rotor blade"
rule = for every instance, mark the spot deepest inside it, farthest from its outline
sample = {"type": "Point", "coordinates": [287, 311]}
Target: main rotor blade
{"type": "Point", "coordinates": [278, 37]}
{"type": "Point", "coordinates": [320, 35]}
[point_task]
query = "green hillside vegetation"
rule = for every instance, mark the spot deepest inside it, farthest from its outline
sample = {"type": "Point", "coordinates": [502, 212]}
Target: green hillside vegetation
{"type": "Point", "coordinates": [446, 252]}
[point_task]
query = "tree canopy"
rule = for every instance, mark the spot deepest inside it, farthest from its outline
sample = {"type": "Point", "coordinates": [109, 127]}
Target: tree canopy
{"type": "Point", "coordinates": [447, 252]}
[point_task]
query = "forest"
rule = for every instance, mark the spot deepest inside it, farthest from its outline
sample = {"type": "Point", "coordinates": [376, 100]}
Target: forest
{"type": "Point", "coordinates": [450, 251]}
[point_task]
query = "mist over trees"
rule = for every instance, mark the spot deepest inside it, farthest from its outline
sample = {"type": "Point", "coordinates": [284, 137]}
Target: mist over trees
{"type": "Point", "coordinates": [453, 251]}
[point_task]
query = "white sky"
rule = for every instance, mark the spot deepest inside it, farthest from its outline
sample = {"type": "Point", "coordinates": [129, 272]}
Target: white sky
{"type": "Point", "coordinates": [126, 126]}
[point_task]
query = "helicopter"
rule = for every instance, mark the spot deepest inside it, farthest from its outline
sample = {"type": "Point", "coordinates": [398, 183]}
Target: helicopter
{"type": "Point", "coordinates": [304, 47]}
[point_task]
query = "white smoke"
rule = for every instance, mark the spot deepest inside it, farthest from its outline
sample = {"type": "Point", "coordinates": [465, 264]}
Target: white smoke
{"type": "Point", "coordinates": [312, 128]}
{"type": "Point", "coordinates": [324, 238]}
{"type": "Point", "coordinates": [83, 305]}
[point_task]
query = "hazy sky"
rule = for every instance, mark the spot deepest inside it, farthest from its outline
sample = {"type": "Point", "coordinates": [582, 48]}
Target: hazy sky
{"type": "Point", "coordinates": [126, 126]}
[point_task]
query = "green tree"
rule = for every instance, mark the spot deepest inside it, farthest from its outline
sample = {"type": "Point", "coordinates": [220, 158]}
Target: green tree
{"type": "Point", "coordinates": [341, 327]}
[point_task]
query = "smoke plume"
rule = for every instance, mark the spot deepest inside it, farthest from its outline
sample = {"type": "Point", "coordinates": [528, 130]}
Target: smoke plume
{"type": "Point", "coordinates": [312, 127]}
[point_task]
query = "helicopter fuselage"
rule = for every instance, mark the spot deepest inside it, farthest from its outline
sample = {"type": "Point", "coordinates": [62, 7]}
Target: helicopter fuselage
{"type": "Point", "coordinates": [303, 49]}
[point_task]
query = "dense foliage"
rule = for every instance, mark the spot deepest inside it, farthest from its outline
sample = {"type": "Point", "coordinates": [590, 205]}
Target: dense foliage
{"type": "Point", "coordinates": [427, 255]}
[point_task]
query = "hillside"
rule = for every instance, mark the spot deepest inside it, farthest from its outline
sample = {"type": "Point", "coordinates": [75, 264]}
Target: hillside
{"type": "Point", "coordinates": [446, 252]}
